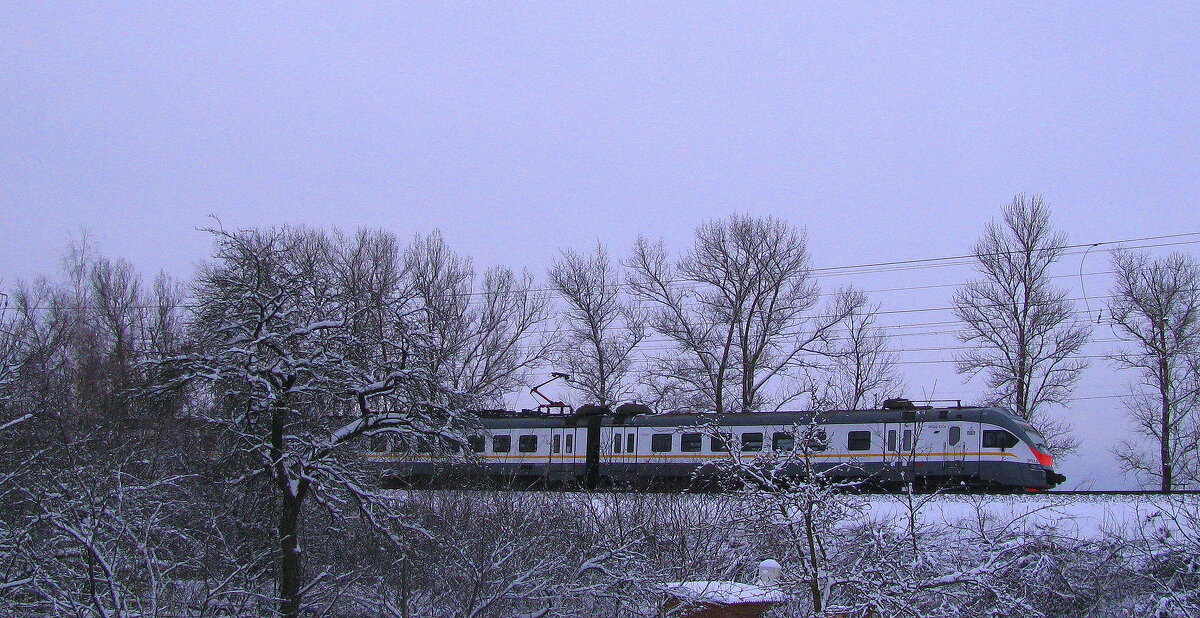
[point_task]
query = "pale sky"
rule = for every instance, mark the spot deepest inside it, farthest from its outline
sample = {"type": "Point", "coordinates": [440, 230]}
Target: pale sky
{"type": "Point", "coordinates": [889, 131]}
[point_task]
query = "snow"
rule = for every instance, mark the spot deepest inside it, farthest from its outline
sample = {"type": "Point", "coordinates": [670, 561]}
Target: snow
{"type": "Point", "coordinates": [15, 421]}
{"type": "Point", "coordinates": [724, 593]}
{"type": "Point", "coordinates": [1075, 516]}
{"type": "Point", "coordinates": [345, 431]}
{"type": "Point", "coordinates": [1080, 517]}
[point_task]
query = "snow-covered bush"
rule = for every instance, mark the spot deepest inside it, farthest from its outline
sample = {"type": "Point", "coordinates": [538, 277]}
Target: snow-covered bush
{"type": "Point", "coordinates": [1161, 558]}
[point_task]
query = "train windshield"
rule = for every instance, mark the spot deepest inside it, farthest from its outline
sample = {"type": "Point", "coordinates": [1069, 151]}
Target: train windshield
{"type": "Point", "coordinates": [1036, 438]}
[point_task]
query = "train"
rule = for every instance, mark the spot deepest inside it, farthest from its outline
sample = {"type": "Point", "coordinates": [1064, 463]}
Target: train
{"type": "Point", "coordinates": [951, 447]}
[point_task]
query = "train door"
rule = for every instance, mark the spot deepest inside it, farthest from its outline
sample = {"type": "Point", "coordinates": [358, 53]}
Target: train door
{"type": "Point", "coordinates": [939, 450]}
{"type": "Point", "coordinates": [901, 450]}
{"type": "Point", "coordinates": [974, 455]}
{"type": "Point", "coordinates": [954, 453]}
{"type": "Point", "coordinates": [588, 443]}
{"type": "Point", "coordinates": [611, 445]}
{"type": "Point", "coordinates": [618, 446]}
{"type": "Point", "coordinates": [573, 445]}
{"type": "Point", "coordinates": [618, 450]}
{"type": "Point", "coordinates": [633, 443]}
{"type": "Point", "coordinates": [557, 458]}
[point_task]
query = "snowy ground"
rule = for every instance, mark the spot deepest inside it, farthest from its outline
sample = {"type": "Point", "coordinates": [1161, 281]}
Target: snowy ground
{"type": "Point", "coordinates": [1080, 517]}
{"type": "Point", "coordinates": [1074, 516]}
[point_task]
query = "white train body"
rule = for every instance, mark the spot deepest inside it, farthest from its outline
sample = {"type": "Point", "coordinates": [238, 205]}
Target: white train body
{"type": "Point", "coordinates": [978, 447]}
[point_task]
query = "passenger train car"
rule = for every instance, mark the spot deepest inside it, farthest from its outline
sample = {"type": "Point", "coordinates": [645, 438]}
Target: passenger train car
{"type": "Point", "coordinates": [962, 447]}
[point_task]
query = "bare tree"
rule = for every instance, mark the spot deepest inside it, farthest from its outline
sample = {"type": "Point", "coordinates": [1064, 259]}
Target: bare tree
{"type": "Point", "coordinates": [601, 329]}
{"type": "Point", "coordinates": [118, 302]}
{"type": "Point", "coordinates": [1020, 327]}
{"type": "Point", "coordinates": [736, 308]}
{"type": "Point", "coordinates": [368, 271]}
{"type": "Point", "coordinates": [11, 358]}
{"type": "Point", "coordinates": [80, 341]}
{"type": "Point", "coordinates": [863, 368]}
{"type": "Point", "coordinates": [1155, 305]}
{"type": "Point", "coordinates": [485, 340]}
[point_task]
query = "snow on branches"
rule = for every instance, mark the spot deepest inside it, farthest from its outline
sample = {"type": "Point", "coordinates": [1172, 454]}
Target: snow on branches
{"type": "Point", "coordinates": [296, 376]}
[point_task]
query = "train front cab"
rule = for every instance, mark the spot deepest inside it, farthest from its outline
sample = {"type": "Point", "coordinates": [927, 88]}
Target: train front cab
{"type": "Point", "coordinates": [975, 448]}
{"type": "Point", "coordinates": [1012, 454]}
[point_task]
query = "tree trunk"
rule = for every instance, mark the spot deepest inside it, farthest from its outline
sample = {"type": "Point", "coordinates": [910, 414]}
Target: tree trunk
{"type": "Point", "coordinates": [1164, 446]}
{"type": "Point", "coordinates": [289, 559]}
{"type": "Point", "coordinates": [814, 581]}
{"type": "Point", "coordinates": [1164, 380]}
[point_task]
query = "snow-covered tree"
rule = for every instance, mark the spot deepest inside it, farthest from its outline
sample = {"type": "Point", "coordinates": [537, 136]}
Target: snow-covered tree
{"type": "Point", "coordinates": [87, 469]}
{"type": "Point", "coordinates": [97, 542]}
{"type": "Point", "coordinates": [804, 502]}
{"type": "Point", "coordinates": [525, 554]}
{"type": "Point", "coordinates": [292, 389]}
{"type": "Point", "coordinates": [1160, 556]}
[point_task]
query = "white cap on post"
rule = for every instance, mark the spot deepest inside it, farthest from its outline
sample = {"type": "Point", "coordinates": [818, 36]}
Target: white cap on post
{"type": "Point", "coordinates": [768, 572]}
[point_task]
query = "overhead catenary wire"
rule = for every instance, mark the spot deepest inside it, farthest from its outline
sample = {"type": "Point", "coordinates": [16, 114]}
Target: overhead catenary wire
{"type": "Point", "coordinates": [850, 269]}
{"type": "Point", "coordinates": [900, 266]}
{"type": "Point", "coordinates": [947, 361]}
{"type": "Point", "coordinates": [664, 345]}
{"type": "Point", "coordinates": [1076, 312]}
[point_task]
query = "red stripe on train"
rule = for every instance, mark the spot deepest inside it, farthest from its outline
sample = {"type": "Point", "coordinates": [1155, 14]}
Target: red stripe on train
{"type": "Point", "coordinates": [1043, 458]}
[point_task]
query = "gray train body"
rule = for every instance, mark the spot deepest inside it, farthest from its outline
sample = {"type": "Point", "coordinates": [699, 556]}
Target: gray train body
{"type": "Point", "coordinates": [986, 448]}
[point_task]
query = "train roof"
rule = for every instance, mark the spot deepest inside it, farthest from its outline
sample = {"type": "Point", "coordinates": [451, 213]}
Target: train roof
{"type": "Point", "coordinates": [502, 419]}
{"type": "Point", "coordinates": [828, 417]}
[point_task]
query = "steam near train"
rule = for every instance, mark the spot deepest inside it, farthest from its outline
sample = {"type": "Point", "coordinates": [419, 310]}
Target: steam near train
{"type": "Point", "coordinates": [593, 446]}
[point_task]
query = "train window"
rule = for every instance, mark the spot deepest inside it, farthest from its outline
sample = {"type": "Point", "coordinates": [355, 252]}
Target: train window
{"type": "Point", "coordinates": [476, 443]}
{"type": "Point", "coordinates": [570, 443]}
{"type": "Point", "coordinates": [556, 444]}
{"type": "Point", "coordinates": [378, 443]}
{"type": "Point", "coordinates": [501, 443]}
{"type": "Point", "coordinates": [891, 440]}
{"type": "Point", "coordinates": [1036, 438]}
{"type": "Point", "coordinates": [720, 443]}
{"type": "Point", "coordinates": [907, 440]}
{"type": "Point", "coordinates": [858, 441]}
{"type": "Point", "coordinates": [690, 442]}
{"type": "Point", "coordinates": [752, 442]}
{"type": "Point", "coordinates": [998, 438]}
{"type": "Point", "coordinates": [616, 443]}
{"type": "Point", "coordinates": [783, 441]}
{"type": "Point", "coordinates": [629, 443]}
{"type": "Point", "coordinates": [955, 435]}
{"type": "Point", "coordinates": [661, 442]}
{"type": "Point", "coordinates": [527, 444]}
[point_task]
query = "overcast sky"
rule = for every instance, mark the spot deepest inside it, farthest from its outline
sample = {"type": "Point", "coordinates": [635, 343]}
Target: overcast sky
{"type": "Point", "coordinates": [890, 132]}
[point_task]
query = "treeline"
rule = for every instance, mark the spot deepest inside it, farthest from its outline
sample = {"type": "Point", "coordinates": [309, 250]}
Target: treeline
{"type": "Point", "coordinates": [182, 440]}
